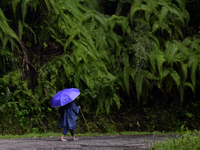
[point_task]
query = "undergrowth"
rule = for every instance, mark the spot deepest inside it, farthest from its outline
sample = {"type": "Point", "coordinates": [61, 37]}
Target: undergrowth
{"type": "Point", "coordinates": [189, 140]}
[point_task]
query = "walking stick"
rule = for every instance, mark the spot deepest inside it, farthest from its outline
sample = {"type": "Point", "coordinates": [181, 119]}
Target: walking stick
{"type": "Point", "coordinates": [85, 121]}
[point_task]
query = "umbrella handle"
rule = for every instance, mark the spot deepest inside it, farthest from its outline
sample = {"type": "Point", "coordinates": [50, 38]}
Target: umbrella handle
{"type": "Point", "coordinates": [85, 120]}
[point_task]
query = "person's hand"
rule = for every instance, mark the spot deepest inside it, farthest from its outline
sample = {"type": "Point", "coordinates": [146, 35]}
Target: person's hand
{"type": "Point", "coordinates": [79, 107]}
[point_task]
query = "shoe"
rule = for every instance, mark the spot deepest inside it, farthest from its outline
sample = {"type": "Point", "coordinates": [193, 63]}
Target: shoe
{"type": "Point", "coordinates": [76, 139]}
{"type": "Point", "coordinates": [63, 140]}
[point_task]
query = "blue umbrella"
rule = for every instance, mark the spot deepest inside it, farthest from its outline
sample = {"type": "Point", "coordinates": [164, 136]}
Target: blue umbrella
{"type": "Point", "coordinates": [64, 97]}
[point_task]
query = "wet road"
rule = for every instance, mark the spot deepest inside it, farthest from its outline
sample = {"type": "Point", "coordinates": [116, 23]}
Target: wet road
{"type": "Point", "coordinates": [120, 142]}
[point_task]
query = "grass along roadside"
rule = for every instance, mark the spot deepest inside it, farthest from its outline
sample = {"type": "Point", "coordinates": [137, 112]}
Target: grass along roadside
{"type": "Point", "coordinates": [53, 134]}
{"type": "Point", "coordinates": [188, 141]}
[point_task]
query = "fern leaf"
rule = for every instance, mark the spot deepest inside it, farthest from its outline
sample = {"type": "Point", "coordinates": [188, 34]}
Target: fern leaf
{"type": "Point", "coordinates": [77, 76]}
{"type": "Point", "coordinates": [160, 60]}
{"type": "Point", "coordinates": [163, 14]}
{"type": "Point", "coordinates": [111, 22]}
{"type": "Point", "coordinates": [178, 29]}
{"type": "Point", "coordinates": [126, 26]}
{"type": "Point", "coordinates": [73, 34]}
{"type": "Point", "coordinates": [117, 100]}
{"type": "Point", "coordinates": [190, 85]}
{"type": "Point", "coordinates": [138, 82]}
{"type": "Point", "coordinates": [88, 15]}
{"type": "Point", "coordinates": [47, 4]}
{"type": "Point", "coordinates": [28, 27]}
{"type": "Point", "coordinates": [165, 72]}
{"type": "Point", "coordinates": [116, 45]}
{"type": "Point", "coordinates": [71, 8]}
{"type": "Point", "coordinates": [186, 16]}
{"type": "Point", "coordinates": [176, 77]}
{"type": "Point", "coordinates": [155, 27]}
{"type": "Point", "coordinates": [175, 10]}
{"type": "Point", "coordinates": [101, 20]}
{"type": "Point", "coordinates": [107, 106]}
{"type": "Point", "coordinates": [181, 4]}
{"type": "Point", "coordinates": [14, 5]}
{"type": "Point", "coordinates": [166, 27]}
{"type": "Point", "coordinates": [185, 71]}
{"type": "Point", "coordinates": [147, 16]}
{"type": "Point", "coordinates": [126, 70]}
{"type": "Point", "coordinates": [135, 7]}
{"type": "Point", "coordinates": [194, 63]}
{"type": "Point", "coordinates": [6, 28]}
{"type": "Point", "coordinates": [149, 75]}
{"type": "Point", "coordinates": [24, 8]}
{"type": "Point", "coordinates": [152, 6]}
{"type": "Point", "coordinates": [5, 41]}
{"type": "Point", "coordinates": [170, 52]}
{"type": "Point", "coordinates": [20, 29]}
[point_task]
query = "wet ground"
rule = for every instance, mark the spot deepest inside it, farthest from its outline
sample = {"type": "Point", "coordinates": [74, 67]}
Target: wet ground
{"type": "Point", "coordinates": [120, 142]}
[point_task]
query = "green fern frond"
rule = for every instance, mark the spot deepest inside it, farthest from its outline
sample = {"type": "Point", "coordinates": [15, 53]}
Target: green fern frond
{"type": "Point", "coordinates": [117, 100]}
{"type": "Point", "coordinates": [20, 29]}
{"type": "Point", "coordinates": [47, 2]}
{"type": "Point", "coordinates": [116, 45]}
{"type": "Point", "coordinates": [162, 17]}
{"type": "Point", "coordinates": [190, 85]}
{"type": "Point", "coordinates": [193, 63]}
{"type": "Point", "coordinates": [167, 28]}
{"type": "Point", "coordinates": [102, 20]}
{"type": "Point", "coordinates": [5, 41]}
{"type": "Point", "coordinates": [149, 75]}
{"type": "Point", "coordinates": [152, 6]}
{"type": "Point", "coordinates": [24, 6]}
{"type": "Point", "coordinates": [152, 58]}
{"type": "Point", "coordinates": [70, 6]}
{"type": "Point", "coordinates": [88, 80]}
{"type": "Point", "coordinates": [88, 38]}
{"type": "Point", "coordinates": [176, 77]}
{"type": "Point", "coordinates": [178, 29]}
{"type": "Point", "coordinates": [160, 60]}
{"type": "Point", "coordinates": [47, 84]}
{"type": "Point", "coordinates": [6, 28]}
{"type": "Point", "coordinates": [138, 83]}
{"type": "Point", "coordinates": [181, 4]}
{"type": "Point", "coordinates": [155, 27]}
{"type": "Point", "coordinates": [126, 71]}
{"type": "Point", "coordinates": [185, 71]}
{"type": "Point", "coordinates": [147, 16]}
{"type": "Point", "coordinates": [176, 11]}
{"type": "Point", "coordinates": [88, 15]}
{"type": "Point", "coordinates": [107, 106]}
{"type": "Point", "coordinates": [134, 8]}
{"type": "Point", "coordinates": [77, 75]}
{"type": "Point", "coordinates": [155, 40]}
{"type": "Point", "coordinates": [164, 73]}
{"type": "Point", "coordinates": [186, 16]}
{"type": "Point", "coordinates": [125, 26]}
{"type": "Point", "coordinates": [112, 22]}
{"type": "Point", "coordinates": [73, 34]}
{"type": "Point", "coordinates": [170, 52]}
{"type": "Point", "coordinates": [53, 74]}
{"type": "Point", "coordinates": [145, 8]}
{"type": "Point", "coordinates": [14, 5]}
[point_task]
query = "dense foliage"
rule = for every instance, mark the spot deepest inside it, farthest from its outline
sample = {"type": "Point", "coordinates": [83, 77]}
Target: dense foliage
{"type": "Point", "coordinates": [136, 63]}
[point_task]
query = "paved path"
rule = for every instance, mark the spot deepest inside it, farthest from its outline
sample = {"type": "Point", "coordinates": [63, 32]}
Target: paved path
{"type": "Point", "coordinates": [121, 142]}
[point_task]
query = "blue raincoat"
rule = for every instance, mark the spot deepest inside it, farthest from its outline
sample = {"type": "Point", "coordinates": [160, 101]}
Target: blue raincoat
{"type": "Point", "coordinates": [68, 116]}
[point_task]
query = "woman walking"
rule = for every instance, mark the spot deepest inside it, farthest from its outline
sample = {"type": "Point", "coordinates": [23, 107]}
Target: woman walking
{"type": "Point", "coordinates": [68, 117]}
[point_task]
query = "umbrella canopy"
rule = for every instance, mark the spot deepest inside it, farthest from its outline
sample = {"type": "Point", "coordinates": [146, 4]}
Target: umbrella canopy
{"type": "Point", "coordinates": [64, 97]}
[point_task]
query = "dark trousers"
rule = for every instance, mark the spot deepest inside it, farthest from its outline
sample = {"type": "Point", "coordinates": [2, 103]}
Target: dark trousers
{"type": "Point", "coordinates": [65, 131]}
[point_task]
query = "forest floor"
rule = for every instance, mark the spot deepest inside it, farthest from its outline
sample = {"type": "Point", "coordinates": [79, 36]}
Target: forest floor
{"type": "Point", "coordinates": [117, 142]}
